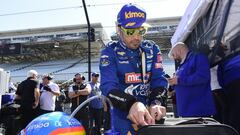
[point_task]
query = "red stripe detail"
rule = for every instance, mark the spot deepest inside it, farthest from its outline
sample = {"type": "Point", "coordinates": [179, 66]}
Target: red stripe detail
{"type": "Point", "coordinates": [67, 130]}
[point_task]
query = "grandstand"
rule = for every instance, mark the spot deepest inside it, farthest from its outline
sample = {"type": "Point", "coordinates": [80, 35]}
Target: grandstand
{"type": "Point", "coordinates": [62, 51]}
{"type": "Point", "coordinates": [63, 69]}
{"type": "Point", "coordinates": [43, 44]}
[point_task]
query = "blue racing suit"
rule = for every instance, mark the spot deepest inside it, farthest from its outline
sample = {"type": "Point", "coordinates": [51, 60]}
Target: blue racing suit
{"type": "Point", "coordinates": [121, 69]}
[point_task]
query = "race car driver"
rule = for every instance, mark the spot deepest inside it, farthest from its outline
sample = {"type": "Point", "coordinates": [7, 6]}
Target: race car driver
{"type": "Point", "coordinates": [132, 73]}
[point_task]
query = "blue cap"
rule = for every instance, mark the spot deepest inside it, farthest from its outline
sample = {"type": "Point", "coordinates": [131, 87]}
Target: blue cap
{"type": "Point", "coordinates": [95, 74]}
{"type": "Point", "coordinates": [131, 16]}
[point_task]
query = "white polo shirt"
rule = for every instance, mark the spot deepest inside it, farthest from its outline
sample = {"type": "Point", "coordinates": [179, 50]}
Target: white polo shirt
{"type": "Point", "coordinates": [47, 99]}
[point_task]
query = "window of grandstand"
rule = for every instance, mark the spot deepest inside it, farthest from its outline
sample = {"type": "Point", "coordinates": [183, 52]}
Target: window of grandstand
{"type": "Point", "coordinates": [21, 39]}
{"type": "Point", "coordinates": [97, 33]}
{"type": "Point", "coordinates": [163, 27]}
{"type": "Point", "coordinates": [83, 35]}
{"type": "Point", "coordinates": [173, 27]}
{"type": "Point", "coordinates": [152, 29]}
{"type": "Point", "coordinates": [44, 38]}
{"type": "Point", "coordinates": [66, 35]}
{"type": "Point", "coordinates": [6, 40]}
{"type": "Point", "coordinates": [158, 28]}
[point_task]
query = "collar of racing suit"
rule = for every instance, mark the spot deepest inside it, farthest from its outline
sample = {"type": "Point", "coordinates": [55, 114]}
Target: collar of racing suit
{"type": "Point", "coordinates": [124, 46]}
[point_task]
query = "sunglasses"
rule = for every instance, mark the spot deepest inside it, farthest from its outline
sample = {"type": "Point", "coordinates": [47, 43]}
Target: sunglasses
{"type": "Point", "coordinates": [133, 32]}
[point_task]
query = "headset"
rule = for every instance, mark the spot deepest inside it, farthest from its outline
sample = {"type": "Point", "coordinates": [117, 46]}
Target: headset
{"type": "Point", "coordinates": [74, 79]}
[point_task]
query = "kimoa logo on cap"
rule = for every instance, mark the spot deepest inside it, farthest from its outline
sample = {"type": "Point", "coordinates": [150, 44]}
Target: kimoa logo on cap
{"type": "Point", "coordinates": [134, 15]}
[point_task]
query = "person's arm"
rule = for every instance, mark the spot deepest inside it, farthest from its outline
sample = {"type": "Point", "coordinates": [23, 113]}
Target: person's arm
{"type": "Point", "coordinates": [56, 93]}
{"type": "Point", "coordinates": [71, 93]}
{"type": "Point", "coordinates": [108, 71]}
{"type": "Point", "coordinates": [37, 97]}
{"type": "Point", "coordinates": [158, 88]}
{"type": "Point", "coordinates": [18, 92]}
{"type": "Point", "coordinates": [157, 73]}
{"type": "Point", "coordinates": [157, 101]}
{"type": "Point", "coordinates": [54, 89]}
{"type": "Point", "coordinates": [85, 90]}
{"type": "Point", "coordinates": [158, 84]}
{"type": "Point", "coordinates": [201, 74]}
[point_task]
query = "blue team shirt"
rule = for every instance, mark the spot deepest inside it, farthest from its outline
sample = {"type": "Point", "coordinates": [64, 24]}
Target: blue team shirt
{"type": "Point", "coordinates": [96, 103]}
{"type": "Point", "coordinates": [193, 91]}
{"type": "Point", "coordinates": [229, 71]}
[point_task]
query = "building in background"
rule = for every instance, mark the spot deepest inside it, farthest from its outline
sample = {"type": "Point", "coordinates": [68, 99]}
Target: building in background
{"type": "Point", "coordinates": [62, 50]}
{"type": "Point", "coordinates": [60, 42]}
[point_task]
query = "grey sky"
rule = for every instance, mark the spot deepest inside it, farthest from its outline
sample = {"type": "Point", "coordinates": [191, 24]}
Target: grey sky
{"type": "Point", "coordinates": [104, 11]}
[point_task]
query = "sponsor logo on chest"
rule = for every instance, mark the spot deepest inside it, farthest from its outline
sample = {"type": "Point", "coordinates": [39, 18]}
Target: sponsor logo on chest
{"type": "Point", "coordinates": [133, 78]}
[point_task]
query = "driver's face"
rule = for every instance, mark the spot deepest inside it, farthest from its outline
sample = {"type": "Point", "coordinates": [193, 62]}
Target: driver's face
{"type": "Point", "coordinates": [131, 41]}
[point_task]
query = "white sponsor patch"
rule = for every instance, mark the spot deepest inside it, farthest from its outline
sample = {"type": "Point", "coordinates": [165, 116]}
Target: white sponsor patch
{"type": "Point", "coordinates": [133, 78]}
{"type": "Point", "coordinates": [121, 53]}
{"type": "Point", "coordinates": [123, 62]}
{"type": "Point", "coordinates": [104, 56]}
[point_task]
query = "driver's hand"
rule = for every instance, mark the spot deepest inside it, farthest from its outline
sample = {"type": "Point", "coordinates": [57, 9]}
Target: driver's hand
{"type": "Point", "coordinates": [157, 111]}
{"type": "Point", "coordinates": [139, 114]}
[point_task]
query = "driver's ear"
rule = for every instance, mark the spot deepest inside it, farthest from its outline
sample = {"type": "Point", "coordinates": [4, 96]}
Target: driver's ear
{"type": "Point", "coordinates": [118, 30]}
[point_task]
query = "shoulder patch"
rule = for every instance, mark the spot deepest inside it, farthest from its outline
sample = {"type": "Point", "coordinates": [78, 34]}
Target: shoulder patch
{"type": "Point", "coordinates": [147, 44]}
{"type": "Point", "coordinates": [104, 62]}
